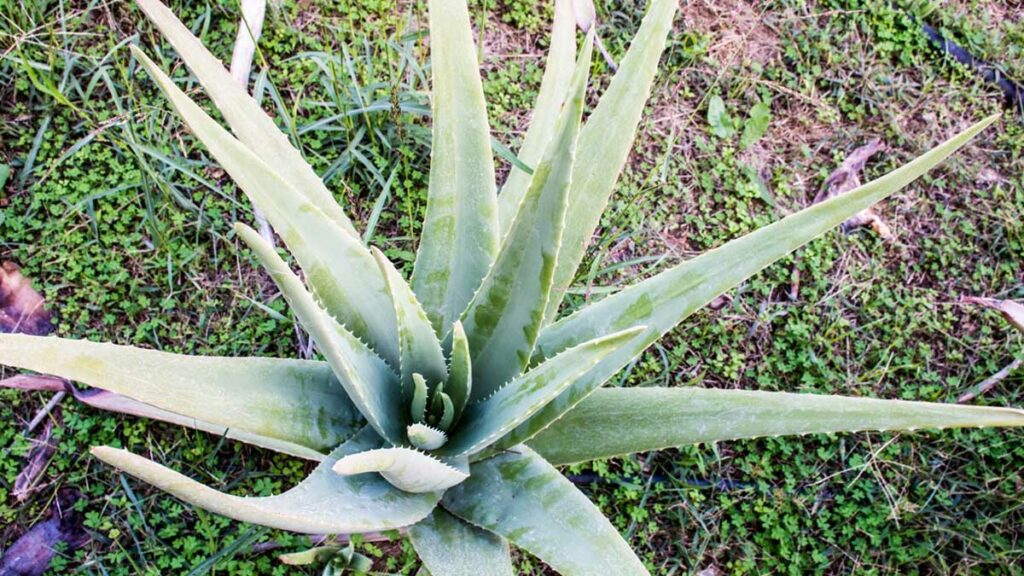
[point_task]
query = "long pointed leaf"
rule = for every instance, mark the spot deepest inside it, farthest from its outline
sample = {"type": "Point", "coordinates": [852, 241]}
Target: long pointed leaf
{"type": "Point", "coordinates": [605, 142]}
{"type": "Point", "coordinates": [553, 88]}
{"type": "Point", "coordinates": [418, 346]}
{"type": "Point", "coordinates": [370, 383]}
{"type": "Point", "coordinates": [665, 300]}
{"type": "Point", "coordinates": [491, 418]}
{"type": "Point", "coordinates": [619, 421]}
{"type": "Point", "coordinates": [289, 405]}
{"type": "Point", "coordinates": [324, 502]}
{"type": "Point", "coordinates": [523, 498]}
{"type": "Point", "coordinates": [405, 468]}
{"type": "Point", "coordinates": [505, 316]}
{"type": "Point", "coordinates": [249, 122]}
{"type": "Point", "coordinates": [450, 547]}
{"type": "Point", "coordinates": [460, 373]}
{"type": "Point", "coordinates": [325, 252]}
{"type": "Point", "coordinates": [460, 232]}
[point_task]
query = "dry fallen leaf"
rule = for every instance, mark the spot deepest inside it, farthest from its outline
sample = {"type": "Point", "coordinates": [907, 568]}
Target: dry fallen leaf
{"type": "Point", "coordinates": [36, 462]}
{"type": "Point", "coordinates": [31, 554]}
{"type": "Point", "coordinates": [1012, 311]}
{"type": "Point", "coordinates": [21, 307]}
{"type": "Point", "coordinates": [846, 178]}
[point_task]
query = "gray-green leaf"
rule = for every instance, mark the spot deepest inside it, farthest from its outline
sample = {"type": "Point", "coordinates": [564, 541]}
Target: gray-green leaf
{"type": "Point", "coordinates": [505, 316]}
{"type": "Point", "coordinates": [518, 495]}
{"type": "Point", "coordinates": [661, 302]}
{"type": "Point", "coordinates": [605, 142]}
{"type": "Point", "coordinates": [460, 231]}
{"type": "Point", "coordinates": [291, 406]}
{"type": "Point", "coordinates": [324, 502]}
{"type": "Point", "coordinates": [614, 422]}
{"type": "Point", "coordinates": [359, 301]}
{"type": "Point", "coordinates": [451, 547]}
{"type": "Point", "coordinates": [553, 88]}
{"type": "Point", "coordinates": [491, 418]}
{"type": "Point", "coordinates": [370, 383]}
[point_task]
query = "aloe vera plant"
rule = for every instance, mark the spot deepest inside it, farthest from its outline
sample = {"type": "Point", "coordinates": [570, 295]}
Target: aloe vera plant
{"type": "Point", "coordinates": [444, 404]}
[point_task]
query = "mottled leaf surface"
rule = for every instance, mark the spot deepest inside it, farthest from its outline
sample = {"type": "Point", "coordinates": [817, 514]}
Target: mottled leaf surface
{"type": "Point", "coordinates": [521, 497]}
{"type": "Point", "coordinates": [451, 547]}
{"type": "Point", "coordinates": [614, 422]}
{"type": "Point", "coordinates": [505, 316]}
{"type": "Point", "coordinates": [460, 231]}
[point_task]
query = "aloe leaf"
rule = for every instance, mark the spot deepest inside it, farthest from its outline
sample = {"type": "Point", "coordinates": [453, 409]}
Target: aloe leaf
{"type": "Point", "coordinates": [310, 556]}
{"type": "Point", "coordinates": [460, 372]}
{"type": "Point", "coordinates": [367, 379]}
{"type": "Point", "coordinates": [605, 142]}
{"type": "Point", "coordinates": [614, 422]}
{"type": "Point", "coordinates": [505, 316]}
{"type": "Point", "coordinates": [406, 469]}
{"type": "Point", "coordinates": [325, 252]}
{"type": "Point", "coordinates": [553, 89]}
{"type": "Point", "coordinates": [247, 119]}
{"type": "Point", "coordinates": [460, 231]}
{"type": "Point", "coordinates": [418, 408]}
{"type": "Point", "coordinates": [486, 421]}
{"type": "Point", "coordinates": [418, 346]}
{"type": "Point", "coordinates": [521, 497]}
{"type": "Point", "coordinates": [324, 502]}
{"type": "Point", "coordinates": [293, 406]}
{"type": "Point", "coordinates": [424, 437]}
{"type": "Point", "coordinates": [450, 547]}
{"type": "Point", "coordinates": [665, 300]}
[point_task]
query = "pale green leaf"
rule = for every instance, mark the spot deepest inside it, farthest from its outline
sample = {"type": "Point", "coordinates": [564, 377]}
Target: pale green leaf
{"type": "Point", "coordinates": [553, 89]}
{"type": "Point", "coordinates": [326, 253]}
{"type": "Point", "coordinates": [505, 316]}
{"type": "Point", "coordinates": [424, 437]}
{"type": "Point", "coordinates": [460, 372]}
{"type": "Point", "coordinates": [722, 125]}
{"type": "Point", "coordinates": [486, 421]}
{"type": "Point", "coordinates": [292, 406]}
{"type": "Point", "coordinates": [518, 495]}
{"type": "Point", "coordinates": [370, 383]}
{"type": "Point", "coordinates": [247, 119]}
{"type": "Point", "coordinates": [614, 422]}
{"type": "Point", "coordinates": [418, 408]}
{"type": "Point", "coordinates": [460, 231]}
{"type": "Point", "coordinates": [451, 547]}
{"type": "Point", "coordinates": [311, 556]}
{"type": "Point", "coordinates": [665, 300]}
{"type": "Point", "coordinates": [605, 142]}
{"type": "Point", "coordinates": [756, 124]}
{"type": "Point", "coordinates": [406, 469]}
{"type": "Point", "coordinates": [324, 502]}
{"type": "Point", "coordinates": [418, 346]}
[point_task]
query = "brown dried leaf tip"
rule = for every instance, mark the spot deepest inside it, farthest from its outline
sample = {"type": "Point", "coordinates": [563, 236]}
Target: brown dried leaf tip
{"type": "Point", "coordinates": [1012, 311]}
{"type": "Point", "coordinates": [21, 307]}
{"type": "Point", "coordinates": [846, 178]}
